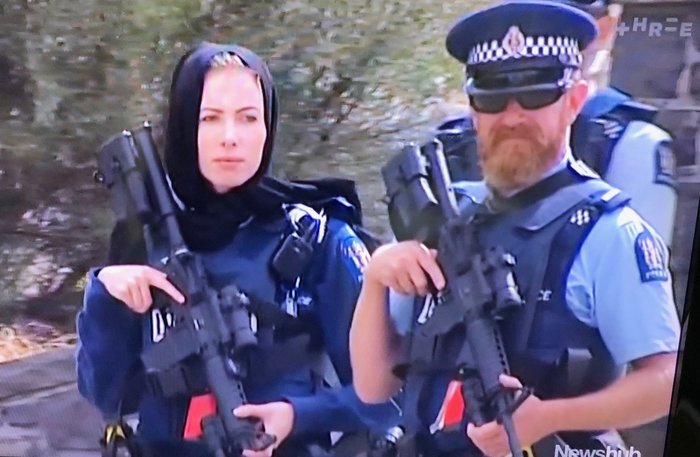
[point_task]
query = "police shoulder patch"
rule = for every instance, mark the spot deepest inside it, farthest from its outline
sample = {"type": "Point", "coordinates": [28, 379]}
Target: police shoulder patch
{"type": "Point", "coordinates": [664, 164]}
{"type": "Point", "coordinates": [651, 259]}
{"type": "Point", "coordinates": [356, 253]}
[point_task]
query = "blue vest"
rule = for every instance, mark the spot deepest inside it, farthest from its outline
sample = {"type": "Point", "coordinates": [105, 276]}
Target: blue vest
{"type": "Point", "coordinates": [544, 339]}
{"type": "Point", "coordinates": [284, 342]}
{"type": "Point", "coordinates": [547, 347]}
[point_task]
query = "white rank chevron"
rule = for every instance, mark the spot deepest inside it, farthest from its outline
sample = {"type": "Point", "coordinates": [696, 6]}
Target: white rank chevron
{"type": "Point", "coordinates": [581, 217]}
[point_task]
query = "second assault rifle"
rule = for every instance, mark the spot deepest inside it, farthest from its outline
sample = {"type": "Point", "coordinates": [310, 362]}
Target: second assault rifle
{"type": "Point", "coordinates": [211, 330]}
{"type": "Point", "coordinates": [480, 290]}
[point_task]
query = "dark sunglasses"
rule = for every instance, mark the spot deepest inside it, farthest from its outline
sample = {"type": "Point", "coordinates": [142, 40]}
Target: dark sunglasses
{"type": "Point", "coordinates": [530, 99]}
{"type": "Point", "coordinates": [532, 96]}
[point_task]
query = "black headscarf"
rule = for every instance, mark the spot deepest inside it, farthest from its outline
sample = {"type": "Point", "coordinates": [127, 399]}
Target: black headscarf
{"type": "Point", "coordinates": [209, 220]}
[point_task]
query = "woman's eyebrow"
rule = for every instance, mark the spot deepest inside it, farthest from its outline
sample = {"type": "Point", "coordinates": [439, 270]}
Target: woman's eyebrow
{"type": "Point", "coordinates": [219, 110]}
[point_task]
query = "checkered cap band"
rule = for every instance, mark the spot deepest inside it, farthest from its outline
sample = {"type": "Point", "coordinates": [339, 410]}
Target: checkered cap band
{"type": "Point", "coordinates": [541, 46]}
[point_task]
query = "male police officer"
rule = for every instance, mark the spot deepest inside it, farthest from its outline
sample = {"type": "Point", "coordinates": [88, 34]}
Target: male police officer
{"type": "Point", "coordinates": [593, 273]}
{"type": "Point", "coordinates": [613, 134]}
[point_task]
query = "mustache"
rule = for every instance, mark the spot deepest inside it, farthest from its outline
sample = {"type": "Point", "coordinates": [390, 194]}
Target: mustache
{"type": "Point", "coordinates": [519, 131]}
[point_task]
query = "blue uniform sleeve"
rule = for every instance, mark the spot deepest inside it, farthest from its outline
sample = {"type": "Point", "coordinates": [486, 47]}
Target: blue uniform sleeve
{"type": "Point", "coordinates": [339, 409]}
{"type": "Point", "coordinates": [109, 344]}
{"type": "Point", "coordinates": [643, 166]}
{"type": "Point", "coordinates": [620, 284]}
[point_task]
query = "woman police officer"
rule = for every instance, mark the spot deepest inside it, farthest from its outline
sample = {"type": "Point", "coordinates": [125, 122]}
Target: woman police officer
{"type": "Point", "coordinates": [219, 139]}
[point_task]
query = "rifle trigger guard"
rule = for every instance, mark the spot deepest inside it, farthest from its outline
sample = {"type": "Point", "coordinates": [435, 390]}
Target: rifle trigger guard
{"type": "Point", "coordinates": [525, 392]}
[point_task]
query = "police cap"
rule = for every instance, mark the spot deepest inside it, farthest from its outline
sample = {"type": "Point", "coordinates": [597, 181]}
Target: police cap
{"type": "Point", "coordinates": [515, 35]}
{"type": "Point", "coordinates": [528, 49]}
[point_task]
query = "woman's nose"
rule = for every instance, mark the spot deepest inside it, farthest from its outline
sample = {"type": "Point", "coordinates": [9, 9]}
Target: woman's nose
{"type": "Point", "coordinates": [230, 133]}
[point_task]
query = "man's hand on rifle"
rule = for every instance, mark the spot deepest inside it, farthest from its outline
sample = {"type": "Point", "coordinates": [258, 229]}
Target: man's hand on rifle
{"type": "Point", "coordinates": [405, 267]}
{"type": "Point", "coordinates": [277, 418]}
{"type": "Point", "coordinates": [132, 285]}
{"type": "Point", "coordinates": [532, 423]}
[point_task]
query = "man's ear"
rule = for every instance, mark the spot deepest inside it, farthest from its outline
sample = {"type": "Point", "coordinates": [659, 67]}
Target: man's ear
{"type": "Point", "coordinates": [578, 94]}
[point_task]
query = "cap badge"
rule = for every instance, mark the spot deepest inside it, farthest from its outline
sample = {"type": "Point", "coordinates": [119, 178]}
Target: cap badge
{"type": "Point", "coordinates": [514, 41]}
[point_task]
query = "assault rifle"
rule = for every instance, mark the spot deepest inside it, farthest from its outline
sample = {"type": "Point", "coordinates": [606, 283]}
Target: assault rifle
{"type": "Point", "coordinates": [480, 290]}
{"type": "Point", "coordinates": [211, 331]}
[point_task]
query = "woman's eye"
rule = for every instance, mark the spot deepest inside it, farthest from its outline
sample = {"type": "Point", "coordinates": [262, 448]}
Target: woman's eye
{"type": "Point", "coordinates": [251, 118]}
{"type": "Point", "coordinates": [207, 118]}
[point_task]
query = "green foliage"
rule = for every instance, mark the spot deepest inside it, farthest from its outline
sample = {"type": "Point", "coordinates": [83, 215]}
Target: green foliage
{"type": "Point", "coordinates": [356, 79]}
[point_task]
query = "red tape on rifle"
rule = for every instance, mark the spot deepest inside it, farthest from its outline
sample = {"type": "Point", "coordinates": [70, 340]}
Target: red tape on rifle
{"type": "Point", "coordinates": [200, 407]}
{"type": "Point", "coordinates": [452, 410]}
{"type": "Point", "coordinates": [454, 405]}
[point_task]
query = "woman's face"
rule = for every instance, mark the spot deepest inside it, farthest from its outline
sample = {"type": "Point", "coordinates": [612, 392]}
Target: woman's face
{"type": "Point", "coordinates": [232, 130]}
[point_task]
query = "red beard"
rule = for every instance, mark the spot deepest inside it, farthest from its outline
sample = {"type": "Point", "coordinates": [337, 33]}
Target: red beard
{"type": "Point", "coordinates": [516, 157]}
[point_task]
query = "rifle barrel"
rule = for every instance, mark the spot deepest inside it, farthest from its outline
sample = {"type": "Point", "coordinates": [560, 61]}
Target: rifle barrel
{"type": "Point", "coordinates": [442, 183]}
{"type": "Point", "coordinates": [160, 188]}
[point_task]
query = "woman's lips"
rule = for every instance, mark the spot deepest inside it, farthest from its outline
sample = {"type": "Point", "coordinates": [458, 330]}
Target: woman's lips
{"type": "Point", "coordinates": [228, 162]}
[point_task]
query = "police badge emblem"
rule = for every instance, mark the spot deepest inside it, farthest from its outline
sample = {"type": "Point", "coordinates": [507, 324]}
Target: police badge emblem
{"type": "Point", "coordinates": [513, 42]}
{"type": "Point", "coordinates": [665, 164]}
{"type": "Point", "coordinates": [651, 259]}
{"type": "Point", "coordinates": [357, 254]}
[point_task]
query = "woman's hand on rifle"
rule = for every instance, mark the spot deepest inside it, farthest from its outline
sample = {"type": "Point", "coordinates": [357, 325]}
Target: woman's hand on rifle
{"type": "Point", "coordinates": [132, 285]}
{"type": "Point", "coordinates": [278, 419]}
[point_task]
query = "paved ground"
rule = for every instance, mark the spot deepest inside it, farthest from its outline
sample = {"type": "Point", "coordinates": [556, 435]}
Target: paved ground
{"type": "Point", "coordinates": [41, 412]}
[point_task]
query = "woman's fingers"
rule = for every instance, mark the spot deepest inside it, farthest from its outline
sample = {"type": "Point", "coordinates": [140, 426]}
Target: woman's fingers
{"type": "Point", "coordinates": [145, 297]}
{"type": "Point", "coordinates": [159, 280]}
{"type": "Point", "coordinates": [131, 284]}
